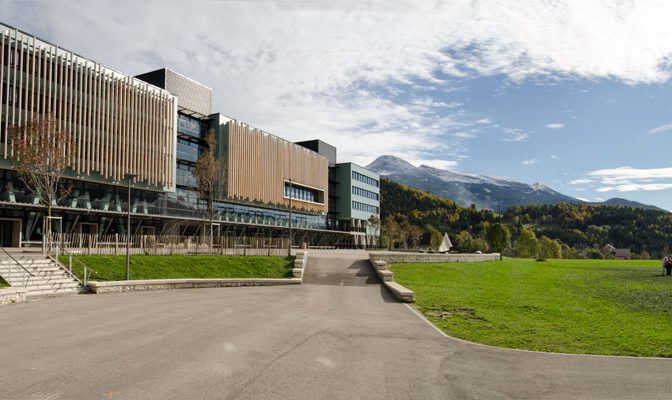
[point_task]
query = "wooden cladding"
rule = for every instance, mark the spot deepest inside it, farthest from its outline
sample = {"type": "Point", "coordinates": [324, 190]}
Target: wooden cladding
{"type": "Point", "coordinates": [122, 125]}
{"type": "Point", "coordinates": [259, 164]}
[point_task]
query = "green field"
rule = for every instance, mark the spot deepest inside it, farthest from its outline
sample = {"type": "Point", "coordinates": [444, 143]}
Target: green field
{"type": "Point", "coordinates": [112, 268]}
{"type": "Point", "coordinates": [571, 306]}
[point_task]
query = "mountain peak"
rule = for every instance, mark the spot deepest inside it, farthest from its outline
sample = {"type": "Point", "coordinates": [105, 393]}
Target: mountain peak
{"type": "Point", "coordinates": [388, 165]}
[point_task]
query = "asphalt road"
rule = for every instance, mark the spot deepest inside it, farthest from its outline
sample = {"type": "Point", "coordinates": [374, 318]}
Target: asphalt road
{"type": "Point", "coordinates": [338, 336]}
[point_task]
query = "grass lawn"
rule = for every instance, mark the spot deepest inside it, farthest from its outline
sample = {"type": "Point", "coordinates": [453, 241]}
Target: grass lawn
{"type": "Point", "coordinates": [572, 306]}
{"type": "Point", "coordinates": [112, 268]}
{"type": "Point", "coordinates": [3, 283]}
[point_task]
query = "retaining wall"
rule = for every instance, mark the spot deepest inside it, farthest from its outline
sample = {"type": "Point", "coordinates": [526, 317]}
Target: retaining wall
{"type": "Point", "coordinates": [391, 257]}
{"type": "Point", "coordinates": [12, 295]}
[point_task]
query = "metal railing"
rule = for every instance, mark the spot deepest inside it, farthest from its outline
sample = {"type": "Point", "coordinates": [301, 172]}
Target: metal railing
{"type": "Point", "coordinates": [25, 274]}
{"type": "Point", "coordinates": [115, 244]}
{"type": "Point", "coordinates": [87, 271]}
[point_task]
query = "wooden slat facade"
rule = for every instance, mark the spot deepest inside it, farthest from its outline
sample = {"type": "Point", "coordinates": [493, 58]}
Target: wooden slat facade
{"type": "Point", "coordinates": [260, 163]}
{"type": "Point", "coordinates": [122, 125]}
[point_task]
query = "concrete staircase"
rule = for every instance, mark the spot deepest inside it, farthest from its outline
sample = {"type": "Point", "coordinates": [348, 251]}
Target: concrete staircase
{"type": "Point", "coordinates": [48, 278]}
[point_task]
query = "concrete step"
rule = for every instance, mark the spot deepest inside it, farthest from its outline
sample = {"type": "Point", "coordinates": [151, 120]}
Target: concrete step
{"type": "Point", "coordinates": [69, 285]}
{"type": "Point", "coordinates": [50, 292]}
{"type": "Point", "coordinates": [55, 278]}
{"type": "Point", "coordinates": [26, 262]}
{"type": "Point", "coordinates": [47, 267]}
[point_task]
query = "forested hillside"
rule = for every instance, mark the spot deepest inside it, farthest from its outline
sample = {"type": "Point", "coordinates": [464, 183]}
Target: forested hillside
{"type": "Point", "coordinates": [411, 216]}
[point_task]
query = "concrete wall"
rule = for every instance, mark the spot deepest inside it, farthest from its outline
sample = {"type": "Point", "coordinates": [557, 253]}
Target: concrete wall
{"type": "Point", "coordinates": [12, 295]}
{"type": "Point", "coordinates": [403, 257]}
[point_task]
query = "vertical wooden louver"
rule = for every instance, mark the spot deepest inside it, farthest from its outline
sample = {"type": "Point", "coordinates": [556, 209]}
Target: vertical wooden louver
{"type": "Point", "coordinates": [260, 164]}
{"type": "Point", "coordinates": [122, 125]}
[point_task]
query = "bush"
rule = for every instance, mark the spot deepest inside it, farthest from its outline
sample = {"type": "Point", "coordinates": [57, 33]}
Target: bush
{"type": "Point", "coordinates": [594, 254]}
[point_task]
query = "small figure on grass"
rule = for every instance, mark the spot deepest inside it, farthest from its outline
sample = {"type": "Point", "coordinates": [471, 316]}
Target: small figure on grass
{"type": "Point", "coordinates": [667, 265]}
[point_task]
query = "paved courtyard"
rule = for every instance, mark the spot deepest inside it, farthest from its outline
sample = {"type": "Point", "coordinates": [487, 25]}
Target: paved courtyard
{"type": "Point", "coordinates": [338, 336]}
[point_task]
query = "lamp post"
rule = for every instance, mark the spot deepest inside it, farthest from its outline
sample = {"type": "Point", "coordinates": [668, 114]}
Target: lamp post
{"type": "Point", "coordinates": [289, 247]}
{"type": "Point", "coordinates": [128, 177]}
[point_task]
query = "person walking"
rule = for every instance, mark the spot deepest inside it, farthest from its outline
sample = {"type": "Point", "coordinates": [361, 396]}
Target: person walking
{"type": "Point", "coordinates": [667, 265]}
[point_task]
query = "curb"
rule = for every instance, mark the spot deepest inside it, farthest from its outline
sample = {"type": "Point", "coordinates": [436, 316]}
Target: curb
{"type": "Point", "coordinates": [386, 276]}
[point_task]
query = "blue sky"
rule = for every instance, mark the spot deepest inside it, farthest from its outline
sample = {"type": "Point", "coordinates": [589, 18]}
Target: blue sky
{"type": "Point", "coordinates": [572, 94]}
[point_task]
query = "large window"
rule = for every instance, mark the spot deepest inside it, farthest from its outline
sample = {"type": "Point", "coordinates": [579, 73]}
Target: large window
{"type": "Point", "coordinates": [296, 192]}
{"type": "Point", "coordinates": [185, 175]}
{"type": "Point", "coordinates": [190, 126]}
{"type": "Point", "coordinates": [364, 193]}
{"type": "Point", "coordinates": [364, 179]}
{"type": "Point", "coordinates": [187, 150]}
{"type": "Point", "coordinates": [364, 207]}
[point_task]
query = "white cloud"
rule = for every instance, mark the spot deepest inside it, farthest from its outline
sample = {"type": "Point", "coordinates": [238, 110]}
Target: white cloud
{"type": "Point", "coordinates": [582, 181]}
{"type": "Point", "coordinates": [440, 164]}
{"type": "Point", "coordinates": [636, 187]}
{"type": "Point", "coordinates": [514, 135]}
{"type": "Point", "coordinates": [661, 129]}
{"type": "Point", "coordinates": [553, 157]}
{"type": "Point", "coordinates": [555, 125]}
{"type": "Point", "coordinates": [583, 199]}
{"type": "Point", "coordinates": [530, 162]}
{"type": "Point", "coordinates": [628, 179]}
{"type": "Point", "coordinates": [336, 69]}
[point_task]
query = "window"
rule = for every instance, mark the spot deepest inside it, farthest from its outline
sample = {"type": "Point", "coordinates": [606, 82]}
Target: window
{"type": "Point", "coordinates": [364, 207]}
{"type": "Point", "coordinates": [302, 193]}
{"type": "Point", "coordinates": [365, 193]}
{"type": "Point", "coordinates": [364, 179]}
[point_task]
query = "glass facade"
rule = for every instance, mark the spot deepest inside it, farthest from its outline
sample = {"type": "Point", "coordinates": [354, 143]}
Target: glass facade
{"type": "Point", "coordinates": [357, 191]}
{"type": "Point", "coordinates": [365, 207]}
{"type": "Point", "coordinates": [184, 203]}
{"type": "Point", "coordinates": [301, 193]}
{"type": "Point", "coordinates": [365, 179]}
{"type": "Point", "coordinates": [187, 150]}
{"type": "Point", "coordinates": [190, 126]}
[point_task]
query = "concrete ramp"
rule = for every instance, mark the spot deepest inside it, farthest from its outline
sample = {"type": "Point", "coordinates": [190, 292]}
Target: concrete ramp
{"type": "Point", "coordinates": [339, 271]}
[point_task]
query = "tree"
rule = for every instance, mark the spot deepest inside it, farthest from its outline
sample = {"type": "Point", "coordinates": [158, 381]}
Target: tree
{"type": "Point", "coordinates": [528, 245]}
{"type": "Point", "coordinates": [390, 230]}
{"type": "Point", "coordinates": [499, 237]}
{"type": "Point", "coordinates": [41, 154]}
{"type": "Point", "coordinates": [404, 232]}
{"type": "Point", "coordinates": [415, 234]}
{"type": "Point", "coordinates": [435, 237]}
{"type": "Point", "coordinates": [549, 248]}
{"type": "Point", "coordinates": [208, 173]}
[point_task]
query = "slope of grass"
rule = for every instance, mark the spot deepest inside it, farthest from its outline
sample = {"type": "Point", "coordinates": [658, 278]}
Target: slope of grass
{"type": "Point", "coordinates": [3, 283]}
{"type": "Point", "coordinates": [574, 306]}
{"type": "Point", "coordinates": [110, 268]}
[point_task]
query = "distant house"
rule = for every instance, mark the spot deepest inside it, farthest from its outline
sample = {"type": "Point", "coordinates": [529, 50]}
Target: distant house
{"type": "Point", "coordinates": [619, 254]}
{"type": "Point", "coordinates": [622, 254]}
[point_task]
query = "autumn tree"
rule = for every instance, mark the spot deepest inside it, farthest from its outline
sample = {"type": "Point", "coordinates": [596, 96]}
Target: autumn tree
{"type": "Point", "coordinates": [41, 153]}
{"type": "Point", "coordinates": [390, 230]}
{"type": "Point", "coordinates": [208, 173]}
{"type": "Point", "coordinates": [415, 234]}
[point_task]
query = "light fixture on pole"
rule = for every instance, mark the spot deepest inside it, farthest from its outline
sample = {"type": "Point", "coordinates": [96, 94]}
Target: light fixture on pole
{"type": "Point", "coordinates": [128, 177]}
{"type": "Point", "coordinates": [289, 248]}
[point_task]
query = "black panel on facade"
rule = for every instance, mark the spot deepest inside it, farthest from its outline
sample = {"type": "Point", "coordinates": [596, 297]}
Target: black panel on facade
{"type": "Point", "coordinates": [324, 149]}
